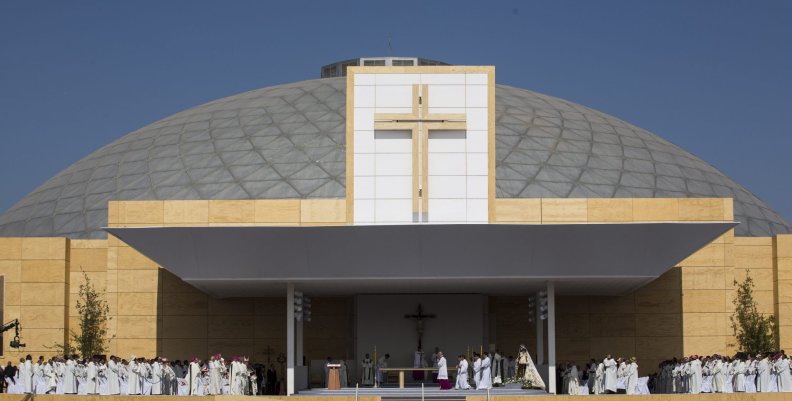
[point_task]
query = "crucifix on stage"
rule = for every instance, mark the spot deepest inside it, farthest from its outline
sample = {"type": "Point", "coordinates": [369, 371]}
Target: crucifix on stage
{"type": "Point", "coordinates": [419, 317]}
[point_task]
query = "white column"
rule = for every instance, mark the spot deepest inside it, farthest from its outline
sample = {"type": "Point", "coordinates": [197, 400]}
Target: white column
{"type": "Point", "coordinates": [299, 331]}
{"type": "Point", "coordinates": [551, 351]}
{"type": "Point", "coordinates": [539, 332]}
{"type": "Point", "coordinates": [289, 339]}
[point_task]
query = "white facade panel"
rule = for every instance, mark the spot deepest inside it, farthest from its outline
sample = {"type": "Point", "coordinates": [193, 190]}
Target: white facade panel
{"type": "Point", "coordinates": [443, 79]}
{"type": "Point", "coordinates": [477, 119]}
{"type": "Point", "coordinates": [393, 210]}
{"type": "Point", "coordinates": [393, 164]}
{"type": "Point", "coordinates": [398, 79]}
{"type": "Point", "coordinates": [364, 118]}
{"type": "Point", "coordinates": [476, 96]}
{"type": "Point", "coordinates": [446, 95]}
{"type": "Point", "coordinates": [447, 142]}
{"type": "Point", "coordinates": [394, 187]}
{"type": "Point", "coordinates": [477, 141]}
{"type": "Point", "coordinates": [364, 96]}
{"type": "Point", "coordinates": [393, 110]}
{"type": "Point", "coordinates": [364, 211]}
{"type": "Point", "coordinates": [447, 164]}
{"type": "Point", "coordinates": [364, 164]}
{"type": "Point", "coordinates": [477, 164]}
{"type": "Point", "coordinates": [394, 96]}
{"type": "Point", "coordinates": [477, 211]}
{"type": "Point", "coordinates": [365, 79]}
{"type": "Point", "coordinates": [476, 79]}
{"type": "Point", "coordinates": [477, 186]}
{"type": "Point", "coordinates": [448, 187]}
{"type": "Point", "coordinates": [392, 142]}
{"type": "Point", "coordinates": [447, 110]}
{"type": "Point", "coordinates": [447, 210]}
{"type": "Point", "coordinates": [364, 141]}
{"type": "Point", "coordinates": [364, 187]}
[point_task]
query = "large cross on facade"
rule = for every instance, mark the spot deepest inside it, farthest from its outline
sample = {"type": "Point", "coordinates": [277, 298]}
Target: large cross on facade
{"type": "Point", "coordinates": [419, 321]}
{"type": "Point", "coordinates": [420, 122]}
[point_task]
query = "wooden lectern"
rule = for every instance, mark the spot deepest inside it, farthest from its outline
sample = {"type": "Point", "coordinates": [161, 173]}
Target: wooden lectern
{"type": "Point", "coordinates": [334, 376]}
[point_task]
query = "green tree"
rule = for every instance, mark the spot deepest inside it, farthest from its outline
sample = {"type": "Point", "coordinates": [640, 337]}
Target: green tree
{"type": "Point", "coordinates": [755, 333]}
{"type": "Point", "coordinates": [93, 311]}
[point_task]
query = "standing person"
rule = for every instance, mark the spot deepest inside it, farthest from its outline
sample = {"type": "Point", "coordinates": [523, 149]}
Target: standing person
{"type": "Point", "coordinates": [571, 384]}
{"type": "Point", "coordinates": [442, 372]}
{"type": "Point", "coordinates": [592, 375]}
{"type": "Point", "coordinates": [497, 368]}
{"type": "Point", "coordinates": [214, 375]}
{"type": "Point", "coordinates": [462, 374]}
{"type": "Point", "coordinates": [69, 377]}
{"type": "Point", "coordinates": [476, 369]}
{"type": "Point", "coordinates": [327, 364]}
{"type": "Point", "coordinates": [739, 373]}
{"type": "Point", "coordinates": [91, 379]}
{"type": "Point", "coordinates": [718, 383]}
{"type": "Point", "coordinates": [632, 376]}
{"type": "Point", "coordinates": [156, 377]}
{"type": "Point", "coordinates": [486, 373]}
{"type": "Point", "coordinates": [762, 374]}
{"type": "Point", "coordinates": [113, 384]}
{"type": "Point", "coordinates": [781, 368]}
{"type": "Point", "coordinates": [382, 364]}
{"type": "Point", "coordinates": [194, 374]}
{"type": "Point", "coordinates": [25, 376]}
{"type": "Point", "coordinates": [134, 377]}
{"type": "Point", "coordinates": [611, 381]}
{"type": "Point", "coordinates": [10, 372]}
{"type": "Point", "coordinates": [368, 371]}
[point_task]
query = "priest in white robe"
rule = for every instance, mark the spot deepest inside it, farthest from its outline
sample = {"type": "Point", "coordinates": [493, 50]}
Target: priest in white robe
{"type": "Point", "coordinates": [91, 379]}
{"type": "Point", "coordinates": [718, 383]}
{"type": "Point", "coordinates": [382, 363]}
{"type": "Point", "coordinates": [611, 381]}
{"type": "Point", "coordinates": [739, 375]}
{"type": "Point", "coordinates": [695, 373]}
{"type": "Point", "coordinates": [442, 372]}
{"type": "Point", "coordinates": [156, 377]}
{"type": "Point", "coordinates": [632, 376]}
{"type": "Point", "coordinates": [368, 371]}
{"type": "Point", "coordinates": [113, 387]}
{"type": "Point", "coordinates": [763, 374]}
{"type": "Point", "coordinates": [26, 374]}
{"type": "Point", "coordinates": [486, 374]}
{"type": "Point", "coordinates": [194, 374]}
{"type": "Point", "coordinates": [781, 368]}
{"type": "Point", "coordinates": [476, 369]}
{"type": "Point", "coordinates": [462, 374]}
{"type": "Point", "coordinates": [133, 381]}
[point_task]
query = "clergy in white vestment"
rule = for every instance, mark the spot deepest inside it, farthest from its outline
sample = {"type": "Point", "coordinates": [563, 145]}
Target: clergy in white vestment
{"type": "Point", "coordinates": [781, 368]}
{"type": "Point", "coordinates": [60, 370]}
{"type": "Point", "coordinates": [91, 379]}
{"type": "Point", "coordinates": [442, 372]}
{"type": "Point", "coordinates": [194, 374]}
{"type": "Point", "coordinates": [342, 373]}
{"type": "Point", "coordinates": [632, 376]}
{"type": "Point", "coordinates": [156, 377]}
{"type": "Point", "coordinates": [762, 374]}
{"type": "Point", "coordinates": [50, 378]}
{"type": "Point", "coordinates": [497, 368]}
{"type": "Point", "coordinates": [215, 374]}
{"type": "Point", "coordinates": [133, 380]}
{"type": "Point", "coordinates": [592, 375]}
{"type": "Point", "coordinates": [571, 384]}
{"type": "Point", "coordinates": [739, 375]}
{"type": "Point", "coordinates": [462, 374]}
{"type": "Point", "coordinates": [611, 381]}
{"type": "Point", "coordinates": [486, 375]}
{"type": "Point", "coordinates": [694, 385]}
{"type": "Point", "coordinates": [39, 386]}
{"type": "Point", "coordinates": [26, 374]}
{"type": "Point", "coordinates": [599, 379]}
{"type": "Point", "coordinates": [113, 387]}
{"type": "Point", "coordinates": [718, 383]}
{"type": "Point", "coordinates": [476, 369]}
{"type": "Point", "coordinates": [368, 371]}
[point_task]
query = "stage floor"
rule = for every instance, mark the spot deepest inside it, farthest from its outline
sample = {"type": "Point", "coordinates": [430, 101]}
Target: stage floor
{"type": "Point", "coordinates": [412, 392]}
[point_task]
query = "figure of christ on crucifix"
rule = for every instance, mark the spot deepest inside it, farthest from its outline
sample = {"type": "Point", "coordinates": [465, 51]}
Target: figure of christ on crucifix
{"type": "Point", "coordinates": [419, 323]}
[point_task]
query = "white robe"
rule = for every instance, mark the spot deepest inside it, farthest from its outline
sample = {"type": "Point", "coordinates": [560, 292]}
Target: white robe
{"type": "Point", "coordinates": [781, 367]}
{"type": "Point", "coordinates": [462, 376]}
{"type": "Point", "coordinates": [194, 375]}
{"type": "Point", "coordinates": [368, 372]}
{"type": "Point", "coordinates": [477, 372]}
{"type": "Point", "coordinates": [599, 379]}
{"type": "Point", "coordinates": [91, 380]}
{"type": "Point", "coordinates": [571, 382]}
{"type": "Point", "coordinates": [718, 383]}
{"type": "Point", "coordinates": [113, 387]}
{"type": "Point", "coordinates": [763, 376]}
{"type": "Point", "coordinates": [611, 381]}
{"type": "Point", "coordinates": [442, 369]}
{"type": "Point", "coordinates": [215, 370]}
{"type": "Point", "coordinates": [694, 374]}
{"type": "Point", "coordinates": [381, 364]}
{"type": "Point", "coordinates": [133, 381]}
{"type": "Point", "coordinates": [486, 376]}
{"type": "Point", "coordinates": [26, 374]}
{"type": "Point", "coordinates": [632, 378]}
{"type": "Point", "coordinates": [739, 376]}
{"type": "Point", "coordinates": [156, 378]}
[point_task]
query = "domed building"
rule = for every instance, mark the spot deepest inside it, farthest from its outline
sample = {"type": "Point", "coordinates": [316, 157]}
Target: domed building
{"type": "Point", "coordinates": [388, 184]}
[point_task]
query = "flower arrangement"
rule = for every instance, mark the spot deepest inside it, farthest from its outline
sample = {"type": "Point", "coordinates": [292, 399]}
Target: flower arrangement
{"type": "Point", "coordinates": [522, 381]}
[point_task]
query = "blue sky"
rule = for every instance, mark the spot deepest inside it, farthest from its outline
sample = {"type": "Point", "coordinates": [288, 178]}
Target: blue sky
{"type": "Point", "coordinates": [710, 76]}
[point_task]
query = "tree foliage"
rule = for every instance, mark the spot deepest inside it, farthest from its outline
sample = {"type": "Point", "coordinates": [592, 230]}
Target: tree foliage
{"type": "Point", "coordinates": [755, 333]}
{"type": "Point", "coordinates": [93, 311]}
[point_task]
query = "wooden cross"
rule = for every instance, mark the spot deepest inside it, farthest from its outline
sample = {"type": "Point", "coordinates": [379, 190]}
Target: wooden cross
{"type": "Point", "coordinates": [420, 122]}
{"type": "Point", "coordinates": [419, 317]}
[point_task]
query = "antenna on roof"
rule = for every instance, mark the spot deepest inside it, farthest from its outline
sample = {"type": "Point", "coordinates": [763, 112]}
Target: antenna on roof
{"type": "Point", "coordinates": [390, 48]}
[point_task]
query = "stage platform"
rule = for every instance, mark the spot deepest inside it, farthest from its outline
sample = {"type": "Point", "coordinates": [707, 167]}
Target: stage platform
{"type": "Point", "coordinates": [412, 393]}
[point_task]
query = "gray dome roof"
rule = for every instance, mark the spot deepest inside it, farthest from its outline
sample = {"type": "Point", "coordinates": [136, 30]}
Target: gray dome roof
{"type": "Point", "coordinates": [288, 141]}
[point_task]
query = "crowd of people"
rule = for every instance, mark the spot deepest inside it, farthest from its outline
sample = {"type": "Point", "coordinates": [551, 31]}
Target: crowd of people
{"type": "Point", "coordinates": [743, 373]}
{"type": "Point", "coordinates": [140, 376]}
